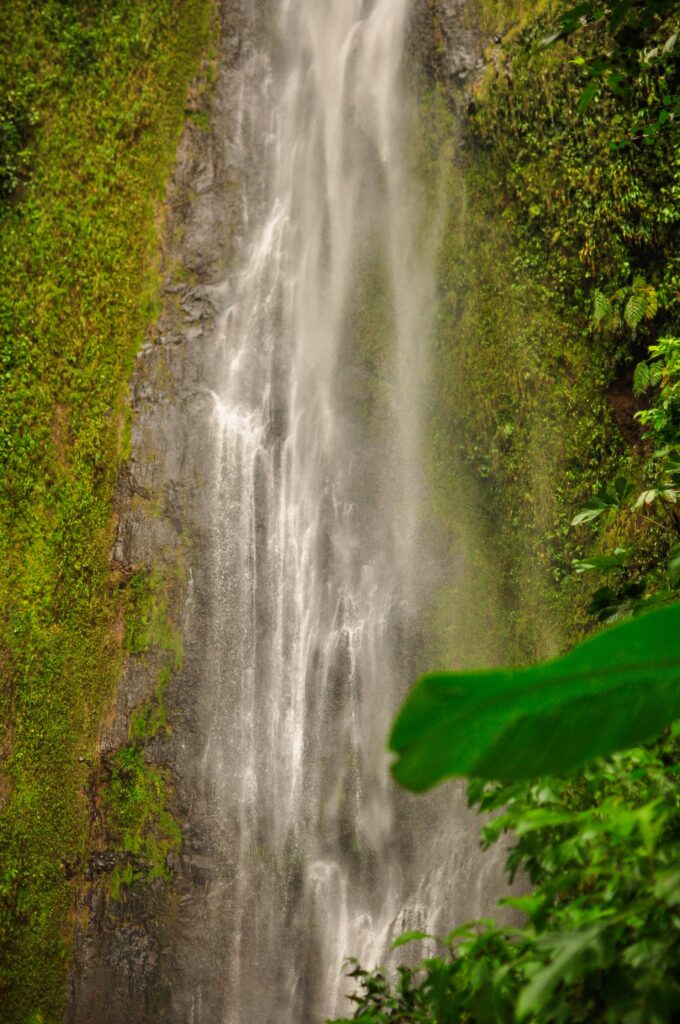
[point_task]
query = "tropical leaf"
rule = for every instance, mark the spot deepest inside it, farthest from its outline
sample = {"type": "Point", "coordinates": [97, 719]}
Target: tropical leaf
{"type": "Point", "coordinates": [594, 507]}
{"type": "Point", "coordinates": [646, 498]}
{"type": "Point", "coordinates": [601, 563]}
{"type": "Point", "coordinates": [621, 491]}
{"type": "Point", "coordinates": [616, 690]}
{"type": "Point", "coordinates": [603, 500]}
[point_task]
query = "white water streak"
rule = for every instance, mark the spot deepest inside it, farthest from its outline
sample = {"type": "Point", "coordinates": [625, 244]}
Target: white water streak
{"type": "Point", "coordinates": [316, 506]}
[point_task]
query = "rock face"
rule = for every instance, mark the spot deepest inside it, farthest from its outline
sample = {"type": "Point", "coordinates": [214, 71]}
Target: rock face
{"type": "Point", "coordinates": [124, 965]}
{"type": "Point", "coordinates": [447, 44]}
{"type": "Point", "coordinates": [145, 956]}
{"type": "Point", "coordinates": [461, 51]}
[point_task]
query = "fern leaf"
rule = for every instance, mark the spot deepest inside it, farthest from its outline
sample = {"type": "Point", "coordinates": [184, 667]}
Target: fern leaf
{"type": "Point", "coordinates": [614, 321]}
{"type": "Point", "coordinates": [635, 310]}
{"type": "Point", "coordinates": [655, 373]}
{"type": "Point", "coordinates": [652, 302]}
{"type": "Point", "coordinates": [602, 307]}
{"type": "Point", "coordinates": [641, 379]}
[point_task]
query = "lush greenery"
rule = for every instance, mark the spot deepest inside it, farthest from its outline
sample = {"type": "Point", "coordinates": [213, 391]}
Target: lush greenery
{"type": "Point", "coordinates": [92, 97]}
{"type": "Point", "coordinates": [137, 821]}
{"type": "Point", "coordinates": [601, 940]}
{"type": "Point", "coordinates": [560, 283]}
{"type": "Point", "coordinates": [551, 210]}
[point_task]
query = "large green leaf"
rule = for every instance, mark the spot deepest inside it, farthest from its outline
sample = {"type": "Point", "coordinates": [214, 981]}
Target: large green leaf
{"type": "Point", "coordinates": [613, 691]}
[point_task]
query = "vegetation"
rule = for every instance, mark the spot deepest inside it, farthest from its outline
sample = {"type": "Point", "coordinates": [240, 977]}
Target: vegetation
{"type": "Point", "coordinates": [136, 806]}
{"type": "Point", "coordinates": [92, 97]}
{"type": "Point", "coordinates": [601, 938]}
{"type": "Point", "coordinates": [135, 796]}
{"type": "Point", "coordinates": [568, 303]}
{"type": "Point", "coordinates": [551, 209]}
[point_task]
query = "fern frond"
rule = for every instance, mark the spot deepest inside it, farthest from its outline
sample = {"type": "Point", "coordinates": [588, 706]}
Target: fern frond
{"type": "Point", "coordinates": [656, 372]}
{"type": "Point", "coordinates": [635, 309]}
{"type": "Point", "coordinates": [652, 302]}
{"type": "Point", "coordinates": [641, 379]}
{"type": "Point", "coordinates": [602, 307]}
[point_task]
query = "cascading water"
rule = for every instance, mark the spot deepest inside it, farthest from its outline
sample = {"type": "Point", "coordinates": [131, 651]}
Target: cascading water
{"type": "Point", "coordinates": [318, 564]}
{"type": "Point", "coordinates": [277, 457]}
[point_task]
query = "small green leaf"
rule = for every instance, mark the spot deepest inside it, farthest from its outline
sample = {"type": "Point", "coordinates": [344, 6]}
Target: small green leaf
{"type": "Point", "coordinates": [623, 488]}
{"type": "Point", "coordinates": [587, 515]}
{"type": "Point", "coordinates": [587, 95]}
{"type": "Point", "coordinates": [646, 498]}
{"type": "Point", "coordinates": [413, 936]}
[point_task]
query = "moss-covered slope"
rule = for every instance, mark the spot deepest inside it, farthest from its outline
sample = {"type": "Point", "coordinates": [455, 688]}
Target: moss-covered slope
{"type": "Point", "coordinates": [92, 102]}
{"type": "Point", "coordinates": [533, 405]}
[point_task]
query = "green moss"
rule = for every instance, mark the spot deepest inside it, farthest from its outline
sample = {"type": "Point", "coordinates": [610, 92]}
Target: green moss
{"type": "Point", "coordinates": [136, 806]}
{"type": "Point", "coordinates": [504, 16]}
{"type": "Point", "coordinates": [105, 87]}
{"type": "Point", "coordinates": [148, 622]}
{"type": "Point", "coordinates": [137, 817]}
{"type": "Point", "coordinates": [545, 206]}
{"type": "Point", "coordinates": [149, 628]}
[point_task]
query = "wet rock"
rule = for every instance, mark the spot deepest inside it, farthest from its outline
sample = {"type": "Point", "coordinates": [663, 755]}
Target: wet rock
{"type": "Point", "coordinates": [126, 963]}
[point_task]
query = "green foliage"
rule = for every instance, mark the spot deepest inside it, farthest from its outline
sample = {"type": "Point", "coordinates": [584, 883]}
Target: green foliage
{"type": "Point", "coordinates": [611, 691]}
{"type": "Point", "coordinates": [18, 118]}
{"type": "Point", "coordinates": [136, 810]}
{"type": "Point", "coordinates": [628, 27]}
{"type": "Point", "coordinates": [603, 500]}
{"type": "Point", "coordinates": [596, 205]}
{"type": "Point", "coordinates": [554, 212]}
{"type": "Point", "coordinates": [655, 507]}
{"type": "Point", "coordinates": [662, 369]}
{"type": "Point", "coordinates": [630, 305]}
{"type": "Point", "coordinates": [601, 937]}
{"type": "Point", "coordinates": [136, 803]}
{"type": "Point", "coordinates": [93, 98]}
{"type": "Point", "coordinates": [566, 268]}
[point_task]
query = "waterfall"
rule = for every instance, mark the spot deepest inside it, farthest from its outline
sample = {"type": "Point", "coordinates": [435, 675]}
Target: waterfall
{"type": "Point", "coordinates": [316, 547]}
{"type": "Point", "coordinates": [277, 489]}
{"type": "Point", "coordinates": [317, 551]}
{"type": "Point", "coordinates": [291, 425]}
